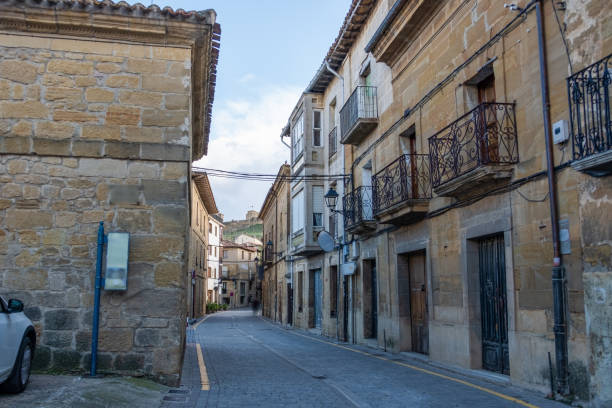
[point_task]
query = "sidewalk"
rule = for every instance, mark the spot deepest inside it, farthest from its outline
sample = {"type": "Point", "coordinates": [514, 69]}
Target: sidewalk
{"type": "Point", "coordinates": [65, 391]}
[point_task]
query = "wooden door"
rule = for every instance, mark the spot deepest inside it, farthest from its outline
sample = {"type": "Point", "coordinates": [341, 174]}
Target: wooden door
{"type": "Point", "coordinates": [374, 298]}
{"type": "Point", "coordinates": [345, 306]}
{"type": "Point", "coordinates": [418, 303]}
{"type": "Point", "coordinates": [493, 307]}
{"type": "Point", "coordinates": [489, 142]}
{"type": "Point", "coordinates": [318, 298]}
{"type": "Point", "coordinates": [289, 305]}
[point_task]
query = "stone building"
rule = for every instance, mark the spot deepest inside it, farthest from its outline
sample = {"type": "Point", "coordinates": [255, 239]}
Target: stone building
{"type": "Point", "coordinates": [276, 287]}
{"type": "Point", "coordinates": [103, 107]}
{"type": "Point", "coordinates": [448, 243]}
{"type": "Point", "coordinates": [203, 208]}
{"type": "Point", "coordinates": [215, 257]}
{"type": "Point", "coordinates": [248, 240]}
{"type": "Point", "coordinates": [239, 275]}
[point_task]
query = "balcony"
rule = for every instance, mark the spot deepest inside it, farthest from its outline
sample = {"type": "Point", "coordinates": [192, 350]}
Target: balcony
{"type": "Point", "coordinates": [474, 152]}
{"type": "Point", "coordinates": [402, 190]}
{"type": "Point", "coordinates": [333, 142]}
{"type": "Point", "coordinates": [359, 115]}
{"type": "Point", "coordinates": [359, 210]}
{"type": "Point", "coordinates": [591, 126]}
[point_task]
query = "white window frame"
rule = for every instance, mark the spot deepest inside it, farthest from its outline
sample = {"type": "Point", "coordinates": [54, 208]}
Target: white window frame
{"type": "Point", "coordinates": [297, 136]}
{"type": "Point", "coordinates": [317, 129]}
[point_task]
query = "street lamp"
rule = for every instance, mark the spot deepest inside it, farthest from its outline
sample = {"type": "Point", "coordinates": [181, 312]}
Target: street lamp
{"type": "Point", "coordinates": [331, 198]}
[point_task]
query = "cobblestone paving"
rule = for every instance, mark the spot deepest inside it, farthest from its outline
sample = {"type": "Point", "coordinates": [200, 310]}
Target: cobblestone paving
{"type": "Point", "coordinates": [253, 363]}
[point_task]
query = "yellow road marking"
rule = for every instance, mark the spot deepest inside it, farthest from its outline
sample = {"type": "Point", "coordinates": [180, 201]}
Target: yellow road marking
{"type": "Point", "coordinates": [423, 370]}
{"type": "Point", "coordinates": [203, 373]}
{"type": "Point", "coordinates": [195, 326]}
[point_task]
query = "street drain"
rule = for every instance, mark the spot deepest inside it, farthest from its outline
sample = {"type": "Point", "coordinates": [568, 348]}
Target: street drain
{"type": "Point", "coordinates": [178, 392]}
{"type": "Point", "coordinates": [319, 377]}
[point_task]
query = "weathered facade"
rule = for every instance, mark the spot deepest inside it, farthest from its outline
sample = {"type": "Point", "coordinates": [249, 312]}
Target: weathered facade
{"type": "Point", "coordinates": [276, 284]}
{"type": "Point", "coordinates": [238, 275]}
{"type": "Point", "coordinates": [103, 107]}
{"type": "Point", "coordinates": [203, 207]}
{"type": "Point", "coordinates": [439, 110]}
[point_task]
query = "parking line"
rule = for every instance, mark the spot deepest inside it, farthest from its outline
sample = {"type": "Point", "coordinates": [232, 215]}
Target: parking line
{"type": "Point", "coordinates": [203, 373]}
{"type": "Point", "coordinates": [423, 370]}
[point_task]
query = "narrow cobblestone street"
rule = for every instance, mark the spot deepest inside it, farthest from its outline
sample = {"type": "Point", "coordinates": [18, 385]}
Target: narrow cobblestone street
{"type": "Point", "coordinates": [250, 362]}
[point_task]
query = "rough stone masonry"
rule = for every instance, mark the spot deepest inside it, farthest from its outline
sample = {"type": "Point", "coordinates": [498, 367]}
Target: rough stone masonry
{"type": "Point", "coordinates": [94, 131]}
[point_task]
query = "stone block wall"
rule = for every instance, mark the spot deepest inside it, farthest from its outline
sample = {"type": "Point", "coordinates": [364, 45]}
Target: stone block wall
{"type": "Point", "coordinates": [96, 131]}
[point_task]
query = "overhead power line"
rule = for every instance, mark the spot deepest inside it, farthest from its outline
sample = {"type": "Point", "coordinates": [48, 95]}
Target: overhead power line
{"type": "Point", "coordinates": [267, 177]}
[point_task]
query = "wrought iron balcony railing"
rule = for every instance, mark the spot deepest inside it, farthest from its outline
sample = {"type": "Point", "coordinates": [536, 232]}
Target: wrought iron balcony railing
{"type": "Point", "coordinates": [485, 135]}
{"type": "Point", "coordinates": [589, 102]}
{"type": "Point", "coordinates": [359, 114]}
{"type": "Point", "coordinates": [404, 179]}
{"type": "Point", "coordinates": [333, 141]}
{"type": "Point", "coordinates": [358, 207]}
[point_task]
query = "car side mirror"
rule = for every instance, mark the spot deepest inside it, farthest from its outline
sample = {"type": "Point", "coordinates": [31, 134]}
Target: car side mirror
{"type": "Point", "coordinates": [15, 306]}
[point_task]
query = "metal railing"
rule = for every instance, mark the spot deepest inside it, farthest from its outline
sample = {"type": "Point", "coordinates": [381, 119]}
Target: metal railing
{"type": "Point", "coordinates": [589, 101]}
{"type": "Point", "coordinates": [333, 141]}
{"type": "Point", "coordinates": [485, 135]}
{"type": "Point", "coordinates": [362, 104]}
{"type": "Point", "coordinates": [358, 206]}
{"type": "Point", "coordinates": [404, 179]}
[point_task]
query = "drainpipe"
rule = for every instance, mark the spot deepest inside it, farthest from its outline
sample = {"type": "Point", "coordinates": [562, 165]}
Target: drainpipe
{"type": "Point", "coordinates": [285, 133]}
{"type": "Point", "coordinates": [558, 272]}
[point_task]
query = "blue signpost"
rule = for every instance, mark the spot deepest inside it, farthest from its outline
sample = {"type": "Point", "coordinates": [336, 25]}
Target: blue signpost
{"type": "Point", "coordinates": [98, 286]}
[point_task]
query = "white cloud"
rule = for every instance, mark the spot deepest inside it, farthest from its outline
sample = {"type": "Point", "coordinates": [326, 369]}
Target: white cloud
{"type": "Point", "coordinates": [245, 137]}
{"type": "Point", "coordinates": [246, 78]}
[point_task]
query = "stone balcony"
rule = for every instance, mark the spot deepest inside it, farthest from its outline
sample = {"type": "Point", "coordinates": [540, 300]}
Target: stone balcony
{"type": "Point", "coordinates": [591, 126]}
{"type": "Point", "coordinates": [402, 190]}
{"type": "Point", "coordinates": [359, 210]}
{"type": "Point", "coordinates": [475, 153]}
{"type": "Point", "coordinates": [359, 115]}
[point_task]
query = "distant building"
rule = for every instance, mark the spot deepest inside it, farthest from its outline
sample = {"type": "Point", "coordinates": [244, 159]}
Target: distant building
{"type": "Point", "coordinates": [248, 241]}
{"type": "Point", "coordinates": [239, 275]}
{"type": "Point", "coordinates": [202, 207]}
{"type": "Point", "coordinates": [251, 215]}
{"type": "Point", "coordinates": [276, 289]}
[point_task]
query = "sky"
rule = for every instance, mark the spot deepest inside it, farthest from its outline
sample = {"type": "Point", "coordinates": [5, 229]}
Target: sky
{"type": "Point", "coordinates": [270, 50]}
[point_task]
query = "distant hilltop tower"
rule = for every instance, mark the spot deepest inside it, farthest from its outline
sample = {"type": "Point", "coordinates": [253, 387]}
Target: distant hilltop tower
{"type": "Point", "coordinates": [252, 215]}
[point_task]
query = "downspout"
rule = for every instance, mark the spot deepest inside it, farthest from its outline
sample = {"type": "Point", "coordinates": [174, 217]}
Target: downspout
{"type": "Point", "coordinates": [558, 272]}
{"type": "Point", "coordinates": [275, 247]}
{"type": "Point", "coordinates": [338, 271]}
{"type": "Point", "coordinates": [284, 132]}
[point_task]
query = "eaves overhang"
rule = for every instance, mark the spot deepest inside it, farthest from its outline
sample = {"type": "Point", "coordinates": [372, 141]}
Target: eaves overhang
{"type": "Point", "coordinates": [351, 28]}
{"type": "Point", "coordinates": [205, 190]}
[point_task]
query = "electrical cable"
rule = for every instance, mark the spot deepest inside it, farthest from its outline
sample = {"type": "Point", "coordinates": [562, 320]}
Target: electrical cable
{"type": "Point", "coordinates": [569, 60]}
{"type": "Point", "coordinates": [266, 177]}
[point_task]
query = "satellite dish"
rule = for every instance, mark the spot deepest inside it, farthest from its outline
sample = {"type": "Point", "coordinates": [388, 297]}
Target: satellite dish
{"type": "Point", "coordinates": [326, 241]}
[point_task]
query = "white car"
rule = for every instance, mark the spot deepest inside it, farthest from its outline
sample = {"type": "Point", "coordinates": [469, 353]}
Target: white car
{"type": "Point", "coordinates": [17, 343]}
